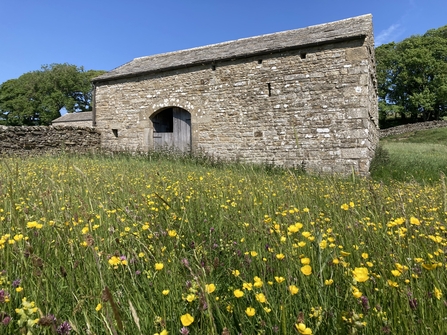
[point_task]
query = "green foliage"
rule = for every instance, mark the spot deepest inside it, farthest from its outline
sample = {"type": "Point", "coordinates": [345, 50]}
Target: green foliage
{"type": "Point", "coordinates": [412, 76]}
{"type": "Point", "coordinates": [36, 98]}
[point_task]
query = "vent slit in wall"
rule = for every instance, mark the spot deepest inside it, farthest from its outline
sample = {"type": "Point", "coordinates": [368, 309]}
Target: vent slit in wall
{"type": "Point", "coordinates": [270, 89]}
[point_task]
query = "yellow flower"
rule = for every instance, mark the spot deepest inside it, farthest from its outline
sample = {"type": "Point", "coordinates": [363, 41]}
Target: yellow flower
{"type": "Point", "coordinates": [210, 288]}
{"type": "Point", "coordinates": [302, 329]}
{"type": "Point", "coordinates": [159, 266]}
{"type": "Point", "coordinates": [280, 256]}
{"type": "Point", "coordinates": [344, 253]}
{"type": "Point", "coordinates": [328, 282]}
{"type": "Point", "coordinates": [164, 332]}
{"type": "Point", "coordinates": [114, 261]}
{"type": "Point", "coordinates": [279, 280]}
{"type": "Point", "coordinates": [396, 273]}
{"type": "Point", "coordinates": [261, 297]}
{"type": "Point", "coordinates": [414, 221]}
{"type": "Point", "coordinates": [250, 311]}
{"type": "Point", "coordinates": [306, 270]}
{"type": "Point", "coordinates": [34, 224]}
{"type": "Point", "coordinates": [19, 289]}
{"type": "Point", "coordinates": [235, 273]}
{"type": "Point", "coordinates": [293, 289]}
{"type": "Point", "coordinates": [345, 207]}
{"type": "Point", "coordinates": [401, 268]}
{"type": "Point", "coordinates": [356, 293]}
{"type": "Point", "coordinates": [438, 293]}
{"type": "Point", "coordinates": [18, 237]}
{"type": "Point", "coordinates": [165, 292]}
{"type": "Point", "coordinates": [258, 282]}
{"type": "Point", "coordinates": [247, 286]}
{"type": "Point", "coordinates": [294, 228]}
{"type": "Point", "coordinates": [172, 233]}
{"type": "Point", "coordinates": [365, 255]}
{"type": "Point", "coordinates": [429, 266]}
{"type": "Point", "coordinates": [238, 293]}
{"type": "Point", "coordinates": [253, 253]}
{"type": "Point", "coordinates": [361, 274]}
{"type": "Point", "coordinates": [190, 297]}
{"type": "Point", "coordinates": [98, 307]}
{"type": "Point", "coordinates": [186, 319]}
{"type": "Point", "coordinates": [305, 260]}
{"type": "Point", "coordinates": [392, 283]}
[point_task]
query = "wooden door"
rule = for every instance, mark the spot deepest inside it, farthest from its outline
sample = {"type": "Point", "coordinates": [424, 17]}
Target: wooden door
{"type": "Point", "coordinates": [181, 129]}
{"type": "Point", "coordinates": [172, 130]}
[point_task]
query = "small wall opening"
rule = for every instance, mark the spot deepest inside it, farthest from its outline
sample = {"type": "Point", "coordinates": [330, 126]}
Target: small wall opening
{"type": "Point", "coordinates": [270, 89]}
{"type": "Point", "coordinates": [303, 55]}
{"type": "Point", "coordinates": [115, 132]}
{"type": "Point", "coordinates": [259, 61]}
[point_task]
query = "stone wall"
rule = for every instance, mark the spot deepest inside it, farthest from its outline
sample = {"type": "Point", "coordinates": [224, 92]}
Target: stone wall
{"type": "Point", "coordinates": [315, 107]}
{"type": "Point", "coordinates": [410, 127]}
{"type": "Point", "coordinates": [40, 139]}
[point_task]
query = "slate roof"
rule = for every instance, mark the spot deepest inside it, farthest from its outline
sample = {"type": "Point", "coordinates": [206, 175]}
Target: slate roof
{"type": "Point", "coordinates": [74, 117]}
{"type": "Point", "coordinates": [356, 27]}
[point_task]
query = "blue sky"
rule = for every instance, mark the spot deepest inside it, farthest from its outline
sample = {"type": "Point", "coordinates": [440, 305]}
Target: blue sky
{"type": "Point", "coordinates": [102, 35]}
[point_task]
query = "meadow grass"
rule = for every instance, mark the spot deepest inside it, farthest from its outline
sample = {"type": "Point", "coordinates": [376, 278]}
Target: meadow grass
{"type": "Point", "coordinates": [414, 156]}
{"type": "Point", "coordinates": [135, 245]}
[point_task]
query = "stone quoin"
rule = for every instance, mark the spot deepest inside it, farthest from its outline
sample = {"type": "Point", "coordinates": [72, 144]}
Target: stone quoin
{"type": "Point", "coordinates": [304, 97]}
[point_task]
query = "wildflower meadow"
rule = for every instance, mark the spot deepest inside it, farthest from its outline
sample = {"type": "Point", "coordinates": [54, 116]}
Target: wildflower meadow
{"type": "Point", "coordinates": [150, 245]}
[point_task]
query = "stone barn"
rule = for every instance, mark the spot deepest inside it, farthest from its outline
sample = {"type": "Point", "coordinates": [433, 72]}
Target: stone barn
{"type": "Point", "coordinates": [80, 119]}
{"type": "Point", "coordinates": [304, 97]}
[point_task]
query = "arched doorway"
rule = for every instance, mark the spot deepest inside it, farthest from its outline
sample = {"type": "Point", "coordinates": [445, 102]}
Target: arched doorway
{"type": "Point", "coordinates": [172, 129]}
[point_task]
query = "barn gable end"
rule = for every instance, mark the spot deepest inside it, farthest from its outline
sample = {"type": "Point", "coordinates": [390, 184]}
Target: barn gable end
{"type": "Point", "coordinates": [304, 97]}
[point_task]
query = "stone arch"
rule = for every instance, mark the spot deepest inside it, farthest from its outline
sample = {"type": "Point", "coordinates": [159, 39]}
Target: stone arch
{"type": "Point", "coordinates": [171, 129]}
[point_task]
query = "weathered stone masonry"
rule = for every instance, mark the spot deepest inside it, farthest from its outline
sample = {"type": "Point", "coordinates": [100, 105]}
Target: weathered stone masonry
{"type": "Point", "coordinates": [301, 97]}
{"type": "Point", "coordinates": [40, 139]}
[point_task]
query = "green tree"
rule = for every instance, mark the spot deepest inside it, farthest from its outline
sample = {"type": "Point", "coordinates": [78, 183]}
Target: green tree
{"type": "Point", "coordinates": [412, 76]}
{"type": "Point", "coordinates": [37, 98]}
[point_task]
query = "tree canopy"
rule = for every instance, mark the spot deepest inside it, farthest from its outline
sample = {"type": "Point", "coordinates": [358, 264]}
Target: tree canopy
{"type": "Point", "coordinates": [412, 76]}
{"type": "Point", "coordinates": [37, 97]}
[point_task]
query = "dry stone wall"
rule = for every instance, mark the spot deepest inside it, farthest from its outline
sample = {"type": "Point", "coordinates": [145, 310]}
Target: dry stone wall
{"type": "Point", "coordinates": [40, 139]}
{"type": "Point", "coordinates": [410, 127]}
